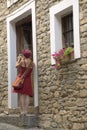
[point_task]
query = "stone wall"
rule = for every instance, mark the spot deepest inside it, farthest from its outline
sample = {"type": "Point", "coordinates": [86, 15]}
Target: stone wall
{"type": "Point", "coordinates": [62, 93]}
{"type": "Point", "coordinates": [3, 56]}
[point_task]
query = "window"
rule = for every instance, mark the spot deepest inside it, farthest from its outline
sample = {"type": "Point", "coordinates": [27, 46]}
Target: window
{"type": "Point", "coordinates": [64, 27]}
{"type": "Point", "coordinates": [67, 30]}
{"type": "Point", "coordinates": [10, 2]}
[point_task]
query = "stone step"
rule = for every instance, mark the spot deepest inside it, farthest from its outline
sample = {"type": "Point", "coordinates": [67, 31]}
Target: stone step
{"type": "Point", "coordinates": [28, 121]}
{"type": "Point", "coordinates": [4, 126]}
{"type": "Point", "coordinates": [31, 110]}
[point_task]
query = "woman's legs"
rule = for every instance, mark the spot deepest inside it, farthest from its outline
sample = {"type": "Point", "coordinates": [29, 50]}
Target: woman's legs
{"type": "Point", "coordinates": [24, 103]}
{"type": "Point", "coordinates": [21, 102]}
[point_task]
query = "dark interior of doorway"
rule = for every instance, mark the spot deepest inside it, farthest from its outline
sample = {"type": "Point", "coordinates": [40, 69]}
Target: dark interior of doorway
{"type": "Point", "coordinates": [24, 34]}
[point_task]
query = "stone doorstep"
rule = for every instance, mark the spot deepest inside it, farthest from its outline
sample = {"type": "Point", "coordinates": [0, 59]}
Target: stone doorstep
{"type": "Point", "coordinates": [31, 110]}
{"type": "Point", "coordinates": [4, 126]}
{"type": "Point", "coordinates": [28, 121]}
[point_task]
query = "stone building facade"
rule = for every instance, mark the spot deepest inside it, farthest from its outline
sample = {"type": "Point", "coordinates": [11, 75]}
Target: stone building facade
{"type": "Point", "coordinates": [62, 94]}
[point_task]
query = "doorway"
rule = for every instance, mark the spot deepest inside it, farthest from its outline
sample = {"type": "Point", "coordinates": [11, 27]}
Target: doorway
{"type": "Point", "coordinates": [17, 19]}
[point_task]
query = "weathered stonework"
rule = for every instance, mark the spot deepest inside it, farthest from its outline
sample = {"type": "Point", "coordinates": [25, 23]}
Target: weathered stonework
{"type": "Point", "coordinates": [62, 93]}
{"type": "Point", "coordinates": [3, 56]}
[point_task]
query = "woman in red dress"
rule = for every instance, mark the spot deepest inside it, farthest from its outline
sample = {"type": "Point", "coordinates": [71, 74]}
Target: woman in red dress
{"type": "Point", "coordinates": [27, 90]}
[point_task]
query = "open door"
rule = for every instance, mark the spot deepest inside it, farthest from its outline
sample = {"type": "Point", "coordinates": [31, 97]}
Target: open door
{"type": "Point", "coordinates": [24, 39]}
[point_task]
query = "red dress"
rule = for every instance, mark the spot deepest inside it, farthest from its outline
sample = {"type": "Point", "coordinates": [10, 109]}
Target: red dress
{"type": "Point", "coordinates": [27, 88]}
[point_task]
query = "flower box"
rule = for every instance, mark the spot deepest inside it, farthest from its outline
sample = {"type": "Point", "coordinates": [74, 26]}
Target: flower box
{"type": "Point", "coordinates": [63, 56]}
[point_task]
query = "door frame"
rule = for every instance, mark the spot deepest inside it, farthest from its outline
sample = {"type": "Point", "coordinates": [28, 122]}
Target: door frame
{"type": "Point", "coordinates": [22, 12]}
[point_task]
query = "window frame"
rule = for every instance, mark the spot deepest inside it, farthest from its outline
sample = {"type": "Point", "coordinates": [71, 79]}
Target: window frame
{"type": "Point", "coordinates": [56, 13]}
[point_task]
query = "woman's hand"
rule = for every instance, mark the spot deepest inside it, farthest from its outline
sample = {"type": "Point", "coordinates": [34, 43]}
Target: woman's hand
{"type": "Point", "coordinates": [19, 58]}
